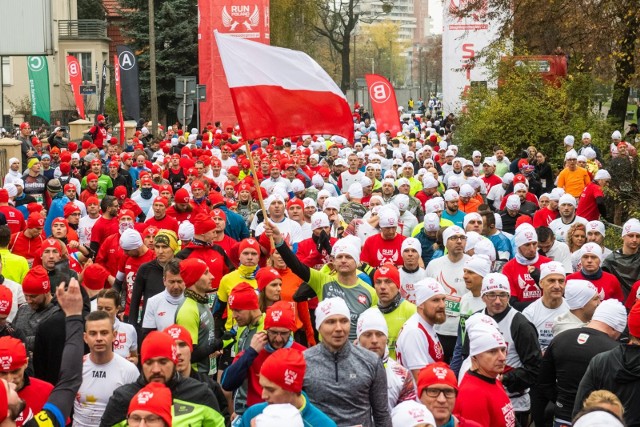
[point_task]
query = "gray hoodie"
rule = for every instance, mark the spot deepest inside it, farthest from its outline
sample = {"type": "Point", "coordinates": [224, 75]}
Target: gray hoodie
{"type": "Point", "coordinates": [350, 386]}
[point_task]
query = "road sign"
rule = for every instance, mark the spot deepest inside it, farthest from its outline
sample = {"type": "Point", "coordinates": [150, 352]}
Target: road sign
{"type": "Point", "coordinates": [360, 82]}
{"type": "Point", "coordinates": [201, 93]}
{"type": "Point", "coordinates": [88, 89]}
{"type": "Point", "coordinates": [185, 85]}
{"type": "Point", "coordinates": [185, 112]}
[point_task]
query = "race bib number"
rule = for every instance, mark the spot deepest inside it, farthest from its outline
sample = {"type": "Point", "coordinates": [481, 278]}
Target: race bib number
{"type": "Point", "coordinates": [452, 305]}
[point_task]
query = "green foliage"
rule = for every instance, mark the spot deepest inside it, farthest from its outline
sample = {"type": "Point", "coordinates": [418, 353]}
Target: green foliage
{"type": "Point", "coordinates": [90, 9]}
{"type": "Point", "coordinates": [111, 109]}
{"type": "Point", "coordinates": [525, 110]}
{"type": "Point", "coordinates": [176, 45]}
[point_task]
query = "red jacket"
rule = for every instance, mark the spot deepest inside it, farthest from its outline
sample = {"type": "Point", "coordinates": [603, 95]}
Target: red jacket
{"type": "Point", "coordinates": [523, 286]}
{"type": "Point", "coordinates": [35, 394]}
{"type": "Point", "coordinates": [110, 254]}
{"type": "Point", "coordinates": [23, 246]}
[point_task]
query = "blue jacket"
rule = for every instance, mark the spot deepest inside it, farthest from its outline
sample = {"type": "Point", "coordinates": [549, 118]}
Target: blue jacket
{"type": "Point", "coordinates": [236, 227]}
{"type": "Point", "coordinates": [55, 210]}
{"type": "Point", "coordinates": [311, 416]}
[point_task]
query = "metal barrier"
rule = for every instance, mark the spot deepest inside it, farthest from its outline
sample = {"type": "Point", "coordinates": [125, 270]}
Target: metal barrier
{"type": "Point", "coordinates": [82, 29]}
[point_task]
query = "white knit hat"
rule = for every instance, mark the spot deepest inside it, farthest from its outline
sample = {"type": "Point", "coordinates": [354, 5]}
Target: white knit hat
{"type": "Point", "coordinates": [567, 199]}
{"type": "Point", "coordinates": [130, 240]}
{"type": "Point", "coordinates": [591, 248]}
{"type": "Point", "coordinates": [483, 337]}
{"type": "Point", "coordinates": [525, 233]}
{"type": "Point", "coordinates": [387, 218]}
{"type": "Point", "coordinates": [426, 289]}
{"type": "Point", "coordinates": [553, 267]}
{"type": "Point", "coordinates": [631, 226]}
{"type": "Point", "coordinates": [471, 216]}
{"type": "Point", "coordinates": [513, 202]}
{"type": "Point", "coordinates": [569, 140]}
{"type": "Point", "coordinates": [319, 220]}
{"type": "Point", "coordinates": [410, 414]}
{"type": "Point", "coordinates": [612, 313]}
{"type": "Point", "coordinates": [451, 195]}
{"type": "Point", "coordinates": [346, 246]}
{"type": "Point", "coordinates": [478, 264]}
{"type": "Point", "coordinates": [493, 282]}
{"type": "Point", "coordinates": [411, 243]}
{"type": "Point", "coordinates": [431, 222]}
{"type": "Point", "coordinates": [331, 203]}
{"type": "Point", "coordinates": [577, 293]}
{"type": "Point", "coordinates": [486, 248]}
{"type": "Point", "coordinates": [278, 415]}
{"type": "Point", "coordinates": [401, 201]}
{"type": "Point", "coordinates": [186, 230]}
{"type": "Point", "coordinates": [355, 190]}
{"type": "Point", "coordinates": [598, 419]}
{"type": "Point", "coordinates": [329, 307]}
{"type": "Point", "coordinates": [371, 320]}
{"type": "Point", "coordinates": [596, 226]}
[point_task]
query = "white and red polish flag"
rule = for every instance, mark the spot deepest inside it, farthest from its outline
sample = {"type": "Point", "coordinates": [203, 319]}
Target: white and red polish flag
{"type": "Point", "coordinates": [281, 92]}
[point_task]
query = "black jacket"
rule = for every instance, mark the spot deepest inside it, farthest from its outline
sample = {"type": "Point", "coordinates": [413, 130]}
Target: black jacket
{"type": "Point", "coordinates": [618, 371]}
{"type": "Point", "coordinates": [148, 282]}
{"type": "Point", "coordinates": [185, 389]}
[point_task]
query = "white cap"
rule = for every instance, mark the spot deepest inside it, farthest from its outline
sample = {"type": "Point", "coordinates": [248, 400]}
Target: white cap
{"type": "Point", "coordinates": [567, 199]}
{"type": "Point", "coordinates": [589, 153]}
{"type": "Point", "coordinates": [319, 220]}
{"type": "Point", "coordinates": [472, 238]}
{"type": "Point", "coordinates": [454, 181]}
{"type": "Point", "coordinates": [598, 419]}
{"type": "Point", "coordinates": [13, 160]}
{"type": "Point", "coordinates": [586, 135]}
{"type": "Point", "coordinates": [498, 220]}
{"type": "Point", "coordinates": [451, 195]}
{"type": "Point", "coordinates": [411, 414]}
{"type": "Point", "coordinates": [278, 415]}
{"type": "Point", "coordinates": [431, 221]}
{"type": "Point", "coordinates": [476, 153]}
{"type": "Point", "coordinates": [402, 181]}
{"type": "Point", "coordinates": [466, 190]}
{"type": "Point", "coordinates": [401, 201]}
{"type": "Point", "coordinates": [591, 248]}
{"type": "Point", "coordinates": [429, 181]}
{"type": "Point", "coordinates": [616, 135]}
{"type": "Point", "coordinates": [186, 231]}
{"type": "Point", "coordinates": [451, 231]}
{"type": "Point", "coordinates": [297, 185]}
{"type": "Point", "coordinates": [495, 282]}
{"type": "Point", "coordinates": [331, 203]}
{"type": "Point", "coordinates": [355, 190]}
{"type": "Point", "coordinates": [478, 264]}
{"type": "Point", "coordinates": [471, 216]}
{"type": "Point", "coordinates": [387, 218]}
{"type": "Point", "coordinates": [507, 178]}
{"type": "Point", "coordinates": [519, 186]}
{"type": "Point", "coordinates": [365, 182]}
{"type": "Point", "coordinates": [486, 248]}
{"type": "Point", "coordinates": [553, 267]}
{"type": "Point", "coordinates": [612, 313]}
{"type": "Point", "coordinates": [602, 174]}
{"type": "Point", "coordinates": [513, 202]}
{"type": "Point", "coordinates": [347, 246]}
{"type": "Point", "coordinates": [330, 307]}
{"type": "Point", "coordinates": [411, 243]}
{"type": "Point", "coordinates": [596, 226]}
{"type": "Point", "coordinates": [308, 202]}
{"type": "Point", "coordinates": [569, 140]}
{"type": "Point", "coordinates": [577, 293]}
{"type": "Point", "coordinates": [426, 289]}
{"type": "Point", "coordinates": [631, 226]}
{"type": "Point", "coordinates": [11, 189]}
{"type": "Point", "coordinates": [483, 337]}
{"type": "Point", "coordinates": [371, 320]}
{"type": "Point", "coordinates": [571, 155]}
{"type": "Point", "coordinates": [130, 240]}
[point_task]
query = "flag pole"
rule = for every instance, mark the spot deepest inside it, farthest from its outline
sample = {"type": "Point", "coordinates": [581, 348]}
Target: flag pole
{"type": "Point", "coordinates": [257, 185]}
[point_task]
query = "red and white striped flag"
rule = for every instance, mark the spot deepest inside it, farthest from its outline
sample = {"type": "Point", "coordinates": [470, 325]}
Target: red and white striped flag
{"type": "Point", "coordinates": [281, 92]}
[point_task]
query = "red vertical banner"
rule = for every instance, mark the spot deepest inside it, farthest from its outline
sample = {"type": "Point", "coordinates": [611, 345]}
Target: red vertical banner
{"type": "Point", "coordinates": [116, 68]}
{"type": "Point", "coordinates": [247, 19]}
{"type": "Point", "coordinates": [75, 78]}
{"type": "Point", "coordinates": [384, 104]}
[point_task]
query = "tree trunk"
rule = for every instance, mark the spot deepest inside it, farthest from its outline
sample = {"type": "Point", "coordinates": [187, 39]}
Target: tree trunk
{"type": "Point", "coordinates": [345, 56]}
{"type": "Point", "coordinates": [625, 68]}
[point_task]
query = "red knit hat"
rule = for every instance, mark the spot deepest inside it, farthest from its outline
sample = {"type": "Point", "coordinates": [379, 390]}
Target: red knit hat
{"type": "Point", "coordinates": [266, 276]}
{"type": "Point", "coordinates": [94, 276]}
{"type": "Point", "coordinates": [182, 196]}
{"type": "Point", "coordinates": [179, 332]}
{"type": "Point", "coordinates": [120, 192]}
{"type": "Point", "coordinates": [70, 208]}
{"type": "Point", "coordinates": [436, 373]}
{"type": "Point", "coordinates": [162, 200]}
{"type": "Point", "coordinates": [36, 282]}
{"type": "Point", "coordinates": [35, 220]}
{"type": "Point", "coordinates": [13, 354]}
{"type": "Point", "coordinates": [197, 185]}
{"type": "Point", "coordinates": [52, 243]}
{"type": "Point", "coordinates": [158, 344]}
{"type": "Point", "coordinates": [155, 398]}
{"type": "Point", "coordinates": [634, 320]}
{"type": "Point", "coordinates": [286, 368]}
{"type": "Point", "coordinates": [243, 297]}
{"type": "Point", "coordinates": [216, 198]}
{"type": "Point", "coordinates": [248, 243]}
{"type": "Point", "coordinates": [4, 195]}
{"type": "Point", "coordinates": [126, 212]}
{"type": "Point", "coordinates": [295, 202]}
{"type": "Point", "coordinates": [92, 201]}
{"type": "Point", "coordinates": [218, 213]}
{"type": "Point", "coordinates": [65, 168]}
{"type": "Point", "coordinates": [203, 223]}
{"type": "Point", "coordinates": [6, 300]}
{"type": "Point", "coordinates": [191, 270]}
{"type": "Point", "coordinates": [280, 315]}
{"type": "Point", "coordinates": [92, 177]}
{"type": "Point", "coordinates": [388, 271]}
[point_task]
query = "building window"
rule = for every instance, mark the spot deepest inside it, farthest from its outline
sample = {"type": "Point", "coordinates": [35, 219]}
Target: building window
{"type": "Point", "coordinates": [6, 71]}
{"type": "Point", "coordinates": [84, 58]}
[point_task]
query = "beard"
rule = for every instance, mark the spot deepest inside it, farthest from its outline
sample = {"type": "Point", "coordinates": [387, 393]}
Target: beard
{"type": "Point", "coordinates": [15, 410]}
{"type": "Point", "coordinates": [436, 318]}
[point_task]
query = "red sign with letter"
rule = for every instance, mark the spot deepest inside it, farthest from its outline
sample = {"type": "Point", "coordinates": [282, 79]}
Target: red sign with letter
{"type": "Point", "coordinates": [116, 68]}
{"type": "Point", "coordinates": [75, 78]}
{"type": "Point", "coordinates": [248, 19]}
{"type": "Point", "coordinates": [384, 104]}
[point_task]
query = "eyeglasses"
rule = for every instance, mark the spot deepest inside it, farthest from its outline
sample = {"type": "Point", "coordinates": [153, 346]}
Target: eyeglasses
{"type": "Point", "coordinates": [458, 238]}
{"type": "Point", "coordinates": [150, 420]}
{"type": "Point", "coordinates": [278, 334]}
{"type": "Point", "coordinates": [435, 392]}
{"type": "Point", "coordinates": [493, 296]}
